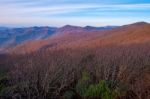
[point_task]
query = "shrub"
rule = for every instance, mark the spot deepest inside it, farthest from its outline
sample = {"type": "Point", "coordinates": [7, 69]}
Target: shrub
{"type": "Point", "coordinates": [98, 90]}
{"type": "Point", "coordinates": [69, 95]}
{"type": "Point", "coordinates": [83, 84]}
{"type": "Point", "coordinates": [3, 84]}
{"type": "Point", "coordinates": [103, 90]}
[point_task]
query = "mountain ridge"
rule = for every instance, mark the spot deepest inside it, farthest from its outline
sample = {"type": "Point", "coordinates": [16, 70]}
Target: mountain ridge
{"type": "Point", "coordinates": [14, 36]}
{"type": "Point", "coordinates": [129, 34]}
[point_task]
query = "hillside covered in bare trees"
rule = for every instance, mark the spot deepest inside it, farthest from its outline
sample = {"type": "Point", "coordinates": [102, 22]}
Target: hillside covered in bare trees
{"type": "Point", "coordinates": [78, 64]}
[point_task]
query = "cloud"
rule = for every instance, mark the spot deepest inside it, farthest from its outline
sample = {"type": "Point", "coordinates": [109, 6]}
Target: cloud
{"type": "Point", "coordinates": [37, 12]}
{"type": "Point", "coordinates": [59, 9]}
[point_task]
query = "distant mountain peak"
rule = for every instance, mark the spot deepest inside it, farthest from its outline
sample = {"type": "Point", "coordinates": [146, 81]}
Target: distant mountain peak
{"type": "Point", "coordinates": [70, 26]}
{"type": "Point", "coordinates": [88, 26]}
{"type": "Point", "coordinates": [140, 23]}
{"type": "Point", "coordinates": [100, 28]}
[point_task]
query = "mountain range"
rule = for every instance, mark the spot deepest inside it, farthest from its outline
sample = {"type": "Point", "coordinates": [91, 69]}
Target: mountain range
{"type": "Point", "coordinates": [37, 38]}
{"type": "Point", "coordinates": [12, 36]}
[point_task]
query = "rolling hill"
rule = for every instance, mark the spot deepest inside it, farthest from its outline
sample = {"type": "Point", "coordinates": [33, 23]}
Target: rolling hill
{"type": "Point", "coordinates": [76, 37]}
{"type": "Point", "coordinates": [10, 37]}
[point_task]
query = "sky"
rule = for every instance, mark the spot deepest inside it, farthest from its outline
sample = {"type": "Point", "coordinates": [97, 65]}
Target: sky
{"type": "Point", "coordinates": [16, 13]}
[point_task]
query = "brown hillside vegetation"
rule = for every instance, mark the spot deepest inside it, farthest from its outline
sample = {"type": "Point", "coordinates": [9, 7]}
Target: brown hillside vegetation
{"type": "Point", "coordinates": [108, 64]}
{"type": "Point", "coordinates": [129, 34]}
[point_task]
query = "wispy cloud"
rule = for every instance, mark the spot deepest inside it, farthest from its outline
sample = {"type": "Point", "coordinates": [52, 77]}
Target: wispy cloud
{"type": "Point", "coordinates": [35, 12]}
{"type": "Point", "coordinates": [58, 9]}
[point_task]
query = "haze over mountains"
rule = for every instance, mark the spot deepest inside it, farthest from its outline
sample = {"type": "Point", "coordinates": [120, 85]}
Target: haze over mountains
{"type": "Point", "coordinates": [18, 35]}
{"type": "Point", "coordinates": [35, 38]}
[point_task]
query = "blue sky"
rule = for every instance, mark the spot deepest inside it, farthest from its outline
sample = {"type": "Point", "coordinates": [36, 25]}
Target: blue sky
{"type": "Point", "coordinates": [74, 12]}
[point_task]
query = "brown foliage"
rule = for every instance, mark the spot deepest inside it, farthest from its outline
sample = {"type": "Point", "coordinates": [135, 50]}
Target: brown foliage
{"type": "Point", "coordinates": [48, 74]}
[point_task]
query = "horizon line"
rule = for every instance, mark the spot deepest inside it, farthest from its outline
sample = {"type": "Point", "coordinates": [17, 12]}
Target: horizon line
{"type": "Point", "coordinates": [2, 26]}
